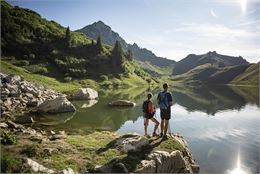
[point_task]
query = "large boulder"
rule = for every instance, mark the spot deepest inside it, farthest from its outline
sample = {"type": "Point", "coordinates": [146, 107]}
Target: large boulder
{"type": "Point", "coordinates": [123, 103]}
{"type": "Point", "coordinates": [57, 105]}
{"type": "Point", "coordinates": [85, 94]}
{"type": "Point", "coordinates": [163, 162]}
{"type": "Point", "coordinates": [132, 142]}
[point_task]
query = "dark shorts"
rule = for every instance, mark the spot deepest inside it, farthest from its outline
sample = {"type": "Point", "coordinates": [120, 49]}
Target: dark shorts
{"type": "Point", "coordinates": [166, 114]}
{"type": "Point", "coordinates": [148, 116]}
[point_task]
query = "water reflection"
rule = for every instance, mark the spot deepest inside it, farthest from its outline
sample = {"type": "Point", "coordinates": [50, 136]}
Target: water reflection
{"type": "Point", "coordinates": [213, 99]}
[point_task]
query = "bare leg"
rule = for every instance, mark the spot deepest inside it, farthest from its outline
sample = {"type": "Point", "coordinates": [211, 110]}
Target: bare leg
{"type": "Point", "coordinates": [166, 126]}
{"type": "Point", "coordinates": [156, 124]}
{"type": "Point", "coordinates": [145, 125]}
{"type": "Point", "coordinates": [162, 125]}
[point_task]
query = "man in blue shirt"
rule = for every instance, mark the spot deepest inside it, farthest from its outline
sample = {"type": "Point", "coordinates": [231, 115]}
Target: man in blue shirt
{"type": "Point", "coordinates": [165, 102]}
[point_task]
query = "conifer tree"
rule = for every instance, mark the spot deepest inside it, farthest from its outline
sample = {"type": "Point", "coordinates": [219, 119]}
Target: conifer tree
{"type": "Point", "coordinates": [68, 37]}
{"type": "Point", "coordinates": [99, 45]}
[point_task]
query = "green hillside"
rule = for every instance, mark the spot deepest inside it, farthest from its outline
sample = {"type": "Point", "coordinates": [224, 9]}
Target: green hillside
{"type": "Point", "coordinates": [210, 74]}
{"type": "Point", "coordinates": [249, 77]}
{"type": "Point", "coordinates": [47, 48]}
{"type": "Point", "coordinates": [212, 58]}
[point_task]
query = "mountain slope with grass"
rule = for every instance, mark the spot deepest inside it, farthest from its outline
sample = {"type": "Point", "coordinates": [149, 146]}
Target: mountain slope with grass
{"type": "Point", "coordinates": [249, 77]}
{"type": "Point", "coordinates": [110, 37]}
{"type": "Point", "coordinates": [212, 58]}
{"type": "Point", "coordinates": [211, 74]}
{"type": "Point", "coordinates": [47, 48]}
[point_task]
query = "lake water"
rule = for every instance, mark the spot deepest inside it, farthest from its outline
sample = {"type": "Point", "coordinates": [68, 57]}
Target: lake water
{"type": "Point", "coordinates": [221, 124]}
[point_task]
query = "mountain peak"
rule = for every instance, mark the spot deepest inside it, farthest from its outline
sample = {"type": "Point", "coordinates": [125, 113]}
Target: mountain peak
{"type": "Point", "coordinates": [109, 37]}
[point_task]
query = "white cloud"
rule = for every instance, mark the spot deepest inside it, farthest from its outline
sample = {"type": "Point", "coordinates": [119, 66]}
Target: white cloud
{"type": "Point", "coordinates": [213, 13]}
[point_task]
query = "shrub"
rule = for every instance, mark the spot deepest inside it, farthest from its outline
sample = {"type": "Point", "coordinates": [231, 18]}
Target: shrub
{"type": "Point", "coordinates": [37, 69]}
{"type": "Point", "coordinates": [32, 56]}
{"type": "Point", "coordinates": [67, 79]}
{"type": "Point", "coordinates": [103, 77]}
{"type": "Point", "coordinates": [11, 164]}
{"type": "Point", "coordinates": [32, 150]}
{"type": "Point", "coordinates": [8, 138]}
{"type": "Point", "coordinates": [21, 63]}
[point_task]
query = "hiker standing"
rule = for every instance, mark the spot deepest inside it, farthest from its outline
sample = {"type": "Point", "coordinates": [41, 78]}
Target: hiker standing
{"type": "Point", "coordinates": [148, 113]}
{"type": "Point", "coordinates": [165, 102]}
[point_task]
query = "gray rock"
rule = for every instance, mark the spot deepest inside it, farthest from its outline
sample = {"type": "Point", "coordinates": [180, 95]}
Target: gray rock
{"type": "Point", "coordinates": [29, 95]}
{"type": "Point", "coordinates": [119, 168]}
{"type": "Point", "coordinates": [67, 171]}
{"type": "Point", "coordinates": [32, 103]}
{"type": "Point", "coordinates": [195, 168]}
{"type": "Point", "coordinates": [85, 94]}
{"type": "Point", "coordinates": [168, 162]}
{"type": "Point", "coordinates": [147, 166]}
{"type": "Point", "coordinates": [24, 119]}
{"type": "Point", "coordinates": [36, 167]}
{"type": "Point", "coordinates": [123, 103]}
{"type": "Point", "coordinates": [13, 125]}
{"type": "Point", "coordinates": [13, 79]}
{"type": "Point", "coordinates": [57, 105]}
{"type": "Point", "coordinates": [3, 125]}
{"type": "Point", "coordinates": [132, 143]}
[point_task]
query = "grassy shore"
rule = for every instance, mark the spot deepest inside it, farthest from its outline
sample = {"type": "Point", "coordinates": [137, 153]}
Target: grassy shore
{"type": "Point", "coordinates": [79, 152]}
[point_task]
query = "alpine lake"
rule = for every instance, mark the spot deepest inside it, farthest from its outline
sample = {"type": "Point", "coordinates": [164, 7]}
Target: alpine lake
{"type": "Point", "coordinates": [220, 123]}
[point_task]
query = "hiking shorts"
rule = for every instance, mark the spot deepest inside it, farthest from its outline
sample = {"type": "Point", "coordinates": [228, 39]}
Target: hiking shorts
{"type": "Point", "coordinates": [148, 115]}
{"type": "Point", "coordinates": [166, 114]}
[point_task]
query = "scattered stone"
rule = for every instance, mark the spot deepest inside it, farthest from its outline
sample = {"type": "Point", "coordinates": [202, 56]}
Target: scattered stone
{"type": "Point", "coordinates": [57, 105]}
{"type": "Point", "coordinates": [3, 125]}
{"type": "Point", "coordinates": [67, 171]}
{"type": "Point", "coordinates": [52, 132]}
{"type": "Point", "coordinates": [24, 120]}
{"type": "Point", "coordinates": [36, 167]}
{"type": "Point", "coordinates": [13, 79]}
{"type": "Point", "coordinates": [13, 125]}
{"type": "Point", "coordinates": [32, 103]}
{"type": "Point", "coordinates": [123, 103]}
{"type": "Point", "coordinates": [60, 135]}
{"type": "Point", "coordinates": [85, 94]}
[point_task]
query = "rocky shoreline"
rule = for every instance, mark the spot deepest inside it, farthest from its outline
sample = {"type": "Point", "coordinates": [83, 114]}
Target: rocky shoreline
{"type": "Point", "coordinates": [44, 151]}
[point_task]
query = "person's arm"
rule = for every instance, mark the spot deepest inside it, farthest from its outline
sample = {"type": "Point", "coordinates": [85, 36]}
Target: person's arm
{"type": "Point", "coordinates": [170, 99]}
{"type": "Point", "coordinates": [158, 98]}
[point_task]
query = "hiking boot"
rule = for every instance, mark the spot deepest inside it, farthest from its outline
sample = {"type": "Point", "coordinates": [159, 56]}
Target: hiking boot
{"type": "Point", "coordinates": [161, 135]}
{"type": "Point", "coordinates": [165, 137]}
{"type": "Point", "coordinates": [155, 134]}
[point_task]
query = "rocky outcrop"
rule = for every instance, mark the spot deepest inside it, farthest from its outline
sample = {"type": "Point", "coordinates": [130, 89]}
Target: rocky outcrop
{"type": "Point", "coordinates": [122, 103]}
{"type": "Point", "coordinates": [131, 142]}
{"type": "Point", "coordinates": [164, 162]}
{"type": "Point", "coordinates": [85, 94]}
{"type": "Point", "coordinates": [19, 95]}
{"type": "Point", "coordinates": [156, 161]}
{"type": "Point", "coordinates": [58, 105]}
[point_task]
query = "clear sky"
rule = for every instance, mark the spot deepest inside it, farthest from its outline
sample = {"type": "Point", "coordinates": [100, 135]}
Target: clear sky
{"type": "Point", "coordinates": [170, 28]}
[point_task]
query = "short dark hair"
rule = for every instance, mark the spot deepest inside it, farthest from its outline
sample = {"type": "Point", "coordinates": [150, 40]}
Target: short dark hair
{"type": "Point", "coordinates": [149, 95]}
{"type": "Point", "coordinates": [165, 85]}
